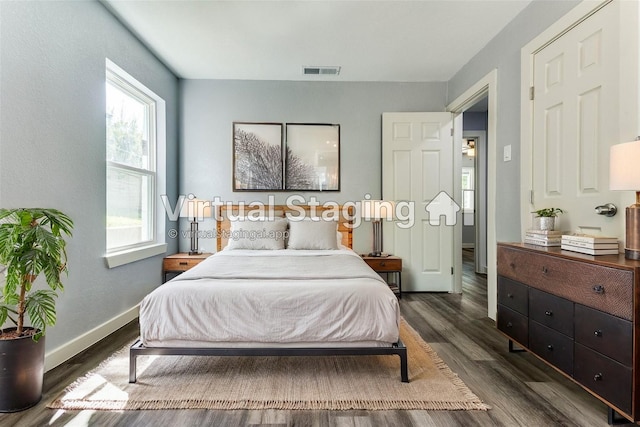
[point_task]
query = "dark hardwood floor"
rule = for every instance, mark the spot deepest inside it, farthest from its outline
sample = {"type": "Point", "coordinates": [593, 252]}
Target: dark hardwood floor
{"type": "Point", "coordinates": [521, 390]}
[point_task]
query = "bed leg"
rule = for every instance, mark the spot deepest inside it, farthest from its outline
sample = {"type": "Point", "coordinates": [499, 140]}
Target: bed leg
{"type": "Point", "coordinates": [132, 366]}
{"type": "Point", "coordinates": [404, 375]}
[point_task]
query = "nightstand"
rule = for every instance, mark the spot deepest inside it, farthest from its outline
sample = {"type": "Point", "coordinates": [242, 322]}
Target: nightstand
{"type": "Point", "coordinates": [390, 265]}
{"type": "Point", "coordinates": [181, 262]}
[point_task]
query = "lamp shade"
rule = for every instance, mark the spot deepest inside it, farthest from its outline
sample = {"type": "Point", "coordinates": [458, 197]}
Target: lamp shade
{"type": "Point", "coordinates": [624, 166]}
{"type": "Point", "coordinates": [377, 209]}
{"type": "Point", "coordinates": [196, 208]}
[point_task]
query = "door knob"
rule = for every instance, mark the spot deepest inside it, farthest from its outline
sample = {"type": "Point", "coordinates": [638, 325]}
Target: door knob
{"type": "Point", "coordinates": [607, 210]}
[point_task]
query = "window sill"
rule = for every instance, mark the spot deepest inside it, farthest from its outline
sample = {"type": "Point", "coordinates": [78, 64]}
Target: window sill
{"type": "Point", "coordinates": [117, 259]}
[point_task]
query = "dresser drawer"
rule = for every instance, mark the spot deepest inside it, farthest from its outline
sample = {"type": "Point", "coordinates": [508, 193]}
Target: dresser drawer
{"type": "Point", "coordinates": [605, 334]}
{"type": "Point", "coordinates": [180, 264]}
{"type": "Point", "coordinates": [551, 311]}
{"type": "Point", "coordinates": [604, 288]}
{"type": "Point", "coordinates": [552, 346]}
{"type": "Point", "coordinates": [605, 377]}
{"type": "Point", "coordinates": [385, 264]}
{"type": "Point", "coordinates": [513, 295]}
{"type": "Point", "coordinates": [513, 324]}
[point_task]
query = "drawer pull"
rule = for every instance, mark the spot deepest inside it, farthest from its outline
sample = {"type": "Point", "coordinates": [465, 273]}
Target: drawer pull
{"type": "Point", "coordinates": [512, 265]}
{"type": "Point", "coordinates": [598, 289]}
{"type": "Point", "coordinates": [548, 313]}
{"type": "Point", "coordinates": [382, 264]}
{"type": "Point", "coordinates": [509, 295]}
{"type": "Point", "coordinates": [598, 333]}
{"type": "Point", "coordinates": [509, 325]}
{"type": "Point", "coordinates": [545, 270]}
{"type": "Point", "coordinates": [550, 347]}
{"type": "Point", "coordinates": [183, 263]}
{"type": "Point", "coordinates": [597, 377]}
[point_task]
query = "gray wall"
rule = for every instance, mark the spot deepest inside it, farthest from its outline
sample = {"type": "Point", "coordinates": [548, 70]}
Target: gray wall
{"type": "Point", "coordinates": [210, 106]}
{"type": "Point", "coordinates": [503, 53]}
{"type": "Point", "coordinates": [52, 150]}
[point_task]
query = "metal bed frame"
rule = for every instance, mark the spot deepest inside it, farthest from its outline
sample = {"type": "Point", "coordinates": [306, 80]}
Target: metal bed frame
{"type": "Point", "coordinates": [398, 348]}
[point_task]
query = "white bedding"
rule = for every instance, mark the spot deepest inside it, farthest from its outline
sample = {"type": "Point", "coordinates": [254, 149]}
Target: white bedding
{"type": "Point", "coordinates": [288, 298]}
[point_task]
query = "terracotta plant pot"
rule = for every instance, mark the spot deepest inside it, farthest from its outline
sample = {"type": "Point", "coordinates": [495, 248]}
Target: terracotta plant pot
{"type": "Point", "coordinates": [21, 373]}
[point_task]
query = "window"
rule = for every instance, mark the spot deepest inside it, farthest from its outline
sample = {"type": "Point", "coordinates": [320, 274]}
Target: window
{"type": "Point", "coordinates": [132, 175]}
{"type": "Point", "coordinates": [468, 195]}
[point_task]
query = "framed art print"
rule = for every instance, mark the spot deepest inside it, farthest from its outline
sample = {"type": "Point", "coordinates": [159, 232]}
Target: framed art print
{"type": "Point", "coordinates": [257, 156]}
{"type": "Point", "coordinates": [312, 157]}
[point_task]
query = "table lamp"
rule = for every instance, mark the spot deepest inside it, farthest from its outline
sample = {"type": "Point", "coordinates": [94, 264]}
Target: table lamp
{"type": "Point", "coordinates": [197, 210]}
{"type": "Point", "coordinates": [375, 211]}
{"type": "Point", "coordinates": [624, 174]}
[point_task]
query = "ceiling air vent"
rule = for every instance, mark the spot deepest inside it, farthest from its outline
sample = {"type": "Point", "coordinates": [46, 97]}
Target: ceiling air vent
{"type": "Point", "coordinates": [321, 71]}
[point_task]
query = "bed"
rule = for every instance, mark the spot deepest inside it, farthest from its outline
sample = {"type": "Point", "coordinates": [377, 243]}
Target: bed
{"type": "Point", "coordinates": [306, 294]}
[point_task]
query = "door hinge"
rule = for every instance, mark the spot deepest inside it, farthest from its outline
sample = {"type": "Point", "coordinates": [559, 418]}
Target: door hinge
{"type": "Point", "coordinates": [531, 93]}
{"type": "Point", "coordinates": [531, 196]}
{"type": "Point", "coordinates": [451, 270]}
{"type": "Point", "coordinates": [451, 131]}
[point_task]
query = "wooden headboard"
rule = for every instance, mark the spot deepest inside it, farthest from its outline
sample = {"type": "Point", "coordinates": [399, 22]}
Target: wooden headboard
{"type": "Point", "coordinates": [223, 224]}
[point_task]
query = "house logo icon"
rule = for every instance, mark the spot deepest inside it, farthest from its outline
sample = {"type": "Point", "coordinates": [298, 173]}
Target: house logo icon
{"type": "Point", "coordinates": [442, 205]}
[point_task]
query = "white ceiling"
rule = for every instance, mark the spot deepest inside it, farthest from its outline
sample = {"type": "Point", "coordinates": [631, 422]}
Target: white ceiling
{"type": "Point", "coordinates": [407, 41]}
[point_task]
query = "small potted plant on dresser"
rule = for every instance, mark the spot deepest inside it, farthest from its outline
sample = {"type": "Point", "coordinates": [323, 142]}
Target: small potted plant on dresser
{"type": "Point", "coordinates": [546, 218]}
{"type": "Point", "coordinates": [31, 243]}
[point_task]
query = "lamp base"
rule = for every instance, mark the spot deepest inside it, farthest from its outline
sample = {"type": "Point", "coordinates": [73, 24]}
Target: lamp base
{"type": "Point", "coordinates": [375, 254]}
{"type": "Point", "coordinates": [632, 235]}
{"type": "Point", "coordinates": [631, 254]}
{"type": "Point", "coordinates": [194, 238]}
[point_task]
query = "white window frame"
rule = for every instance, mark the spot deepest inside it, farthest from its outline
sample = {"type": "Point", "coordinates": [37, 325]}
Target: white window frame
{"type": "Point", "coordinates": [156, 171]}
{"type": "Point", "coordinates": [470, 187]}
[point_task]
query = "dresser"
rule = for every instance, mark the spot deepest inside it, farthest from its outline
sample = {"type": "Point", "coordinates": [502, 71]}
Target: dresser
{"type": "Point", "coordinates": [579, 314]}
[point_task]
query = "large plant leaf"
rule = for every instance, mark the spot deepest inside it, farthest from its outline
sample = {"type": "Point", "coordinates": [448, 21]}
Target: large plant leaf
{"type": "Point", "coordinates": [4, 314]}
{"type": "Point", "coordinates": [12, 281]}
{"type": "Point", "coordinates": [41, 309]}
{"type": "Point", "coordinates": [5, 309]}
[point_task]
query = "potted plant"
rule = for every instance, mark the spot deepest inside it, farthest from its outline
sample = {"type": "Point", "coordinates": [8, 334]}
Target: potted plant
{"type": "Point", "coordinates": [546, 218]}
{"type": "Point", "coordinates": [31, 243]}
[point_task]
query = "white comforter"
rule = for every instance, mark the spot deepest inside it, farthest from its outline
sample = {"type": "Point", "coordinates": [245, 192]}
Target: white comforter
{"type": "Point", "coordinates": [244, 298]}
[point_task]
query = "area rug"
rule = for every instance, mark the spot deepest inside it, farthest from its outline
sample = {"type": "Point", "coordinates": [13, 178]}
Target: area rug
{"type": "Point", "coordinates": [290, 382]}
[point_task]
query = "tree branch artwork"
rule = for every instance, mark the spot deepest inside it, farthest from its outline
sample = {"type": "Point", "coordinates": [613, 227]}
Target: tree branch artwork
{"type": "Point", "coordinates": [258, 163]}
{"type": "Point", "coordinates": [299, 174]}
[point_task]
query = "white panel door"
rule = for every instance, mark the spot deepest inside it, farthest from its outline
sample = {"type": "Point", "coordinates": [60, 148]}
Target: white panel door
{"type": "Point", "coordinates": [575, 121]}
{"type": "Point", "coordinates": [417, 166]}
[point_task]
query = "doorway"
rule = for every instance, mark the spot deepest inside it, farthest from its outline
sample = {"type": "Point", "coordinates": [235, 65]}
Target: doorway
{"type": "Point", "coordinates": [474, 184]}
{"type": "Point", "coordinates": [486, 87]}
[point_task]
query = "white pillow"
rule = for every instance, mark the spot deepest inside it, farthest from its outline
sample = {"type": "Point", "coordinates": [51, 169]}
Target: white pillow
{"type": "Point", "coordinates": [312, 234]}
{"type": "Point", "coordinates": [261, 234]}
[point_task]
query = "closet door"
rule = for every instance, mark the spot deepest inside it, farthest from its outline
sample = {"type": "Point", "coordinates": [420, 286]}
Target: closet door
{"type": "Point", "coordinates": [576, 110]}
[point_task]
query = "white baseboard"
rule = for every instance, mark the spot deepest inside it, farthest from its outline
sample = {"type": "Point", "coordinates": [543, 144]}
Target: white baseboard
{"type": "Point", "coordinates": [468, 245]}
{"type": "Point", "coordinates": [67, 351]}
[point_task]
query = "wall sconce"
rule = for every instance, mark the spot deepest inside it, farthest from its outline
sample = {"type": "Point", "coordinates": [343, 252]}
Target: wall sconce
{"type": "Point", "coordinates": [197, 210]}
{"type": "Point", "coordinates": [375, 211]}
{"type": "Point", "coordinates": [624, 174]}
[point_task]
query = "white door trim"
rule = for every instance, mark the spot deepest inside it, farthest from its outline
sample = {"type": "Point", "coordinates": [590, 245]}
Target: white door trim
{"type": "Point", "coordinates": [488, 85]}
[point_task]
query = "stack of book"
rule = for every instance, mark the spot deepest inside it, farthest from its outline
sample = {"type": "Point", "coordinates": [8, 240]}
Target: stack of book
{"type": "Point", "coordinates": [543, 237]}
{"type": "Point", "coordinates": [590, 245]}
